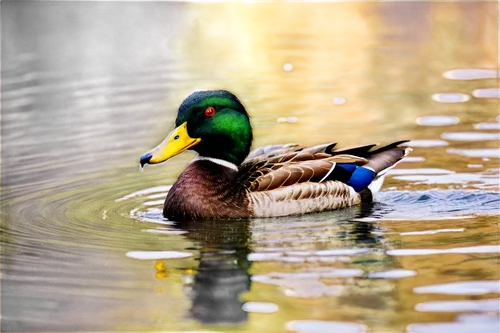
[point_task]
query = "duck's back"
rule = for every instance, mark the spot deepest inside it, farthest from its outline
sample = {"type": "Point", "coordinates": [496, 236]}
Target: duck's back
{"type": "Point", "coordinates": [290, 180]}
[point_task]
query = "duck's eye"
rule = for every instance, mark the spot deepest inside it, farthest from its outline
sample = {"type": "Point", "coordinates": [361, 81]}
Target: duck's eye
{"type": "Point", "coordinates": [210, 111]}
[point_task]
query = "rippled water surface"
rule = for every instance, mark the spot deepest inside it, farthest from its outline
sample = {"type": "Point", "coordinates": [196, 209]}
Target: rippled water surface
{"type": "Point", "coordinates": [87, 87]}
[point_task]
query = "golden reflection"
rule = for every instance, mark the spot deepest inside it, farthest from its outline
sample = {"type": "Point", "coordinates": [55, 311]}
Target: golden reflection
{"type": "Point", "coordinates": [385, 60]}
{"type": "Point", "coordinates": [253, 43]}
{"type": "Point", "coordinates": [161, 270]}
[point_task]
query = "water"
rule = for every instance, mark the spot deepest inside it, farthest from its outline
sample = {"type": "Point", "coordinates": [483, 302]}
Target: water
{"type": "Point", "coordinates": [87, 87]}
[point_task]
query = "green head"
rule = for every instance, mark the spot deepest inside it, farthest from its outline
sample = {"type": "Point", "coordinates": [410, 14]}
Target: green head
{"type": "Point", "coordinates": [214, 123]}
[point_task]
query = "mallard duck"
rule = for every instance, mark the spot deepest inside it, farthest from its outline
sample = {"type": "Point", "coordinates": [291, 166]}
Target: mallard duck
{"type": "Point", "coordinates": [226, 180]}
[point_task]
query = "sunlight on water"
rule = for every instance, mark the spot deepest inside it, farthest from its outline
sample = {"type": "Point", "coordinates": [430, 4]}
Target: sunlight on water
{"type": "Point", "coordinates": [451, 97]}
{"type": "Point", "coordinates": [461, 288]}
{"type": "Point", "coordinates": [491, 327]}
{"type": "Point", "coordinates": [471, 74]}
{"type": "Point", "coordinates": [437, 120]}
{"type": "Point", "coordinates": [487, 126]}
{"type": "Point", "coordinates": [154, 255]}
{"type": "Point", "coordinates": [392, 274]}
{"type": "Point", "coordinates": [162, 189]}
{"type": "Point", "coordinates": [287, 67]}
{"type": "Point", "coordinates": [313, 326]}
{"type": "Point", "coordinates": [427, 143]}
{"type": "Point", "coordinates": [486, 152]}
{"type": "Point", "coordinates": [420, 252]}
{"type": "Point", "coordinates": [339, 100]}
{"type": "Point", "coordinates": [260, 307]}
{"type": "Point", "coordinates": [470, 136]}
{"type": "Point", "coordinates": [487, 93]}
{"type": "Point", "coordinates": [430, 232]}
{"type": "Point", "coordinates": [486, 305]}
{"type": "Point", "coordinates": [421, 171]}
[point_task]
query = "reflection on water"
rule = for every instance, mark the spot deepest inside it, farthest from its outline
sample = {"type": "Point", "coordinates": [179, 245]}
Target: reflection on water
{"type": "Point", "coordinates": [87, 86]}
{"type": "Point", "coordinates": [437, 120]}
{"type": "Point", "coordinates": [451, 98]}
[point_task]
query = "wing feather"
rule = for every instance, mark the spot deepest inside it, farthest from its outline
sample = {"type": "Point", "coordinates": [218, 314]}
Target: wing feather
{"type": "Point", "coordinates": [272, 167]}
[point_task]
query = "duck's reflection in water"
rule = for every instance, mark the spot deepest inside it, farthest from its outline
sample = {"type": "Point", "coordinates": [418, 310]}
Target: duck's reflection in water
{"type": "Point", "coordinates": [223, 275]}
{"type": "Point", "coordinates": [222, 272]}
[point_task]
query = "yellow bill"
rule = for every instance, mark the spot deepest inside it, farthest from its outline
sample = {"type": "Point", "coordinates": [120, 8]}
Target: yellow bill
{"type": "Point", "coordinates": [176, 142]}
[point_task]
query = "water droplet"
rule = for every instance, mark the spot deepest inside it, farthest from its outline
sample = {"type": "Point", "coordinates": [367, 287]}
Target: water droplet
{"type": "Point", "coordinates": [289, 119]}
{"type": "Point", "coordinates": [339, 100]}
{"type": "Point", "coordinates": [287, 67]}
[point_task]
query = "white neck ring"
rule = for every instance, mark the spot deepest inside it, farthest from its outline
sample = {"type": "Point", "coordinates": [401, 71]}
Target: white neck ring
{"type": "Point", "coordinates": [217, 161]}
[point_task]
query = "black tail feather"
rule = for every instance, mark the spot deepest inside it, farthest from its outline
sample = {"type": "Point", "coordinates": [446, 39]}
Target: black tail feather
{"type": "Point", "coordinates": [389, 146]}
{"type": "Point", "coordinates": [361, 151]}
{"type": "Point", "coordinates": [386, 156]}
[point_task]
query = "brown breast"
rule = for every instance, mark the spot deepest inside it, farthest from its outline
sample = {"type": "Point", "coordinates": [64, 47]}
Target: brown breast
{"type": "Point", "coordinates": [206, 190]}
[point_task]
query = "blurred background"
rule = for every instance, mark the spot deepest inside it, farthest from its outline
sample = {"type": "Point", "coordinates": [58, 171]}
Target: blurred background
{"type": "Point", "coordinates": [88, 87]}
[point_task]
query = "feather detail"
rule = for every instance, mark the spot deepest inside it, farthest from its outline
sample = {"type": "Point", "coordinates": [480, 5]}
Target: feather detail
{"type": "Point", "coordinates": [265, 151]}
{"type": "Point", "coordinates": [293, 168]}
{"type": "Point", "coordinates": [325, 148]}
{"type": "Point", "coordinates": [254, 168]}
{"type": "Point", "coordinates": [303, 198]}
{"type": "Point", "coordinates": [289, 174]}
{"type": "Point", "coordinates": [386, 157]}
{"type": "Point", "coordinates": [355, 150]}
{"type": "Point", "coordinates": [377, 183]}
{"type": "Point", "coordinates": [318, 164]}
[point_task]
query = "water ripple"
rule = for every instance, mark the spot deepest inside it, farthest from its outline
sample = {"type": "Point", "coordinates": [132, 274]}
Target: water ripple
{"type": "Point", "coordinates": [461, 288]}
{"type": "Point", "coordinates": [485, 152]}
{"type": "Point", "coordinates": [484, 305]}
{"type": "Point", "coordinates": [260, 307]}
{"type": "Point", "coordinates": [471, 74]}
{"type": "Point", "coordinates": [487, 126]}
{"type": "Point", "coordinates": [438, 203]}
{"type": "Point", "coordinates": [486, 93]}
{"type": "Point", "coordinates": [425, 252]}
{"type": "Point", "coordinates": [437, 120]}
{"type": "Point", "coordinates": [317, 326]}
{"type": "Point", "coordinates": [451, 97]}
{"type": "Point", "coordinates": [491, 325]}
{"type": "Point", "coordinates": [470, 136]}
